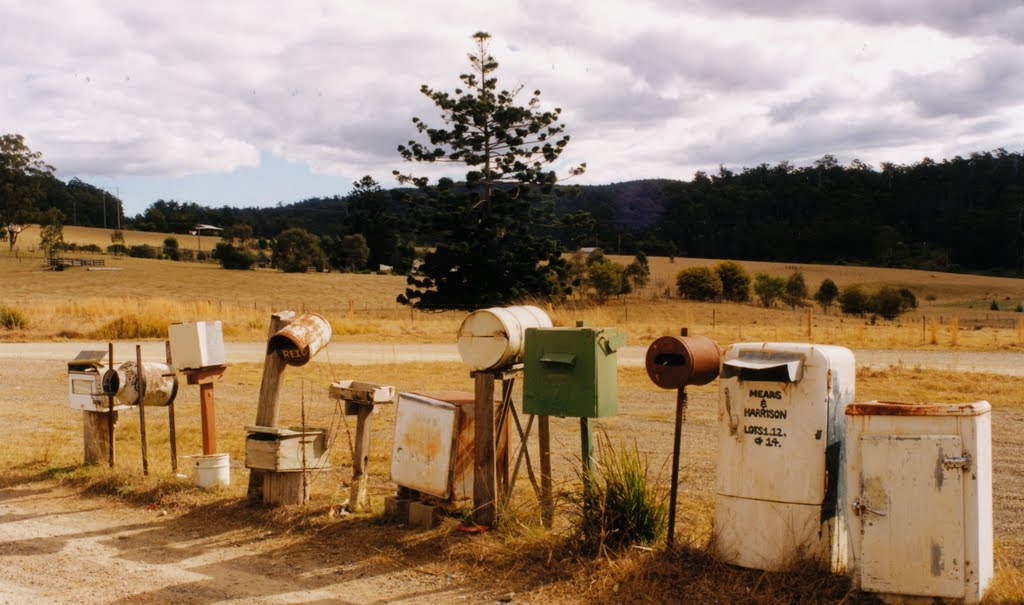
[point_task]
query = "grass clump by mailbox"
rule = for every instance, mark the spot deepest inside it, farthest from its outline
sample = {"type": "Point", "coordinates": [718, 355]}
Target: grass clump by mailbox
{"type": "Point", "coordinates": [620, 504]}
{"type": "Point", "coordinates": [12, 319]}
{"type": "Point", "coordinates": [132, 326]}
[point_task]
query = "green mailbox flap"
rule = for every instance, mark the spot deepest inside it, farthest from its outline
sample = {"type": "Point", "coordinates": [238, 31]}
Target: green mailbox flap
{"type": "Point", "coordinates": [559, 359]}
{"type": "Point", "coordinates": [611, 343]}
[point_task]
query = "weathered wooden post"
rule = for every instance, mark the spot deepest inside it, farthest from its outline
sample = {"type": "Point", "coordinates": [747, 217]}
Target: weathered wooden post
{"type": "Point", "coordinates": [360, 400]}
{"type": "Point", "coordinates": [267, 410]}
{"type": "Point", "coordinates": [287, 481]}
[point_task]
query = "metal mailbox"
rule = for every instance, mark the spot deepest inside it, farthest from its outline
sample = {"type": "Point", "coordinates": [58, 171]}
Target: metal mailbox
{"type": "Point", "coordinates": [433, 447]}
{"type": "Point", "coordinates": [85, 392]}
{"type": "Point", "coordinates": [571, 371]}
{"type": "Point", "coordinates": [300, 341]}
{"type": "Point", "coordinates": [780, 471]}
{"type": "Point", "coordinates": [196, 344]}
{"type": "Point", "coordinates": [919, 504]}
{"type": "Point", "coordinates": [491, 339]}
{"type": "Point", "coordinates": [674, 362]}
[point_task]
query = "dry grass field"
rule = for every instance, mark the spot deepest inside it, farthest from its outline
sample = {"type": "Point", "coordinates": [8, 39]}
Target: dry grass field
{"type": "Point", "coordinates": [518, 557]}
{"type": "Point", "coordinates": [77, 303]}
{"type": "Point", "coordinates": [538, 566]}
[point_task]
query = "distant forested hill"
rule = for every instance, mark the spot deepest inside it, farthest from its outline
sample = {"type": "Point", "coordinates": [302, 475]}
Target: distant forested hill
{"type": "Point", "coordinates": [963, 213]}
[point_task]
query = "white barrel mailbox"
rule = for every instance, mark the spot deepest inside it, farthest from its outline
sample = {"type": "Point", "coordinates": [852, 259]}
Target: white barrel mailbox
{"type": "Point", "coordinates": [492, 339]}
{"type": "Point", "coordinates": [160, 384]}
{"type": "Point", "coordinates": [778, 484]}
{"type": "Point", "coordinates": [919, 499]}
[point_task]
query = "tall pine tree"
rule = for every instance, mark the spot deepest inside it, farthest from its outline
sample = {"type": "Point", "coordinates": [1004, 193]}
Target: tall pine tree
{"type": "Point", "coordinates": [494, 232]}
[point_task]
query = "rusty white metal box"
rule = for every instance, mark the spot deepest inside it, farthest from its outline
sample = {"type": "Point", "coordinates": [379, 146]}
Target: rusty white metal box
{"type": "Point", "coordinates": [433, 446]}
{"type": "Point", "coordinates": [196, 344]}
{"type": "Point", "coordinates": [779, 478]}
{"type": "Point", "coordinates": [919, 505]}
{"type": "Point", "coordinates": [85, 390]}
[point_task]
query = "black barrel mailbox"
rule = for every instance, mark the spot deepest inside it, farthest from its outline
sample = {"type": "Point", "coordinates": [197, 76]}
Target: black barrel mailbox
{"type": "Point", "coordinates": [674, 362]}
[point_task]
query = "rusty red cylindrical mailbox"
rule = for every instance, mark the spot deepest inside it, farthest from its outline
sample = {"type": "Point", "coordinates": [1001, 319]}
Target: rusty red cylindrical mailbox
{"type": "Point", "coordinates": [674, 362]}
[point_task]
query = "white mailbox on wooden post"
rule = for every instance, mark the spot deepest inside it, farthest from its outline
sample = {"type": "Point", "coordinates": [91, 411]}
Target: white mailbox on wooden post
{"type": "Point", "coordinates": [919, 504]}
{"type": "Point", "coordinates": [781, 436]}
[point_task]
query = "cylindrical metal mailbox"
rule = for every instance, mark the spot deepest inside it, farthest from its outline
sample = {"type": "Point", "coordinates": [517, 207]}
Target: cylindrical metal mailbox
{"type": "Point", "coordinates": [302, 339]}
{"type": "Point", "coordinates": [674, 362]}
{"type": "Point", "coordinates": [159, 380]}
{"type": "Point", "coordinates": [494, 338]}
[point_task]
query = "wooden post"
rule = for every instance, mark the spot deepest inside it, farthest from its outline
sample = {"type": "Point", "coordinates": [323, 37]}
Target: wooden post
{"type": "Point", "coordinates": [485, 490]}
{"type": "Point", "coordinates": [96, 436]}
{"type": "Point", "coordinates": [205, 377]}
{"type": "Point", "coordinates": [286, 488]}
{"type": "Point", "coordinates": [208, 418]}
{"type": "Point", "coordinates": [358, 500]}
{"type": "Point", "coordinates": [547, 503]}
{"type": "Point", "coordinates": [267, 409]}
{"type": "Point", "coordinates": [140, 389]}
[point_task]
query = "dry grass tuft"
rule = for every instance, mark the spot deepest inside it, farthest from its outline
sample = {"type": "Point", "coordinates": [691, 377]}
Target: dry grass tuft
{"type": "Point", "coordinates": [131, 327]}
{"type": "Point", "coordinates": [12, 319]}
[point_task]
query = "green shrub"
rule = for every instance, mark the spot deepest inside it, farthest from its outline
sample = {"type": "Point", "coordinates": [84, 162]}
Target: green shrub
{"type": "Point", "coordinates": [12, 319]}
{"type": "Point", "coordinates": [231, 257]}
{"type": "Point", "coordinates": [994, 306]}
{"type": "Point", "coordinates": [854, 300]}
{"type": "Point", "coordinates": [769, 288]}
{"type": "Point", "coordinates": [143, 251]}
{"type": "Point", "coordinates": [735, 281]}
{"type": "Point", "coordinates": [699, 283]}
{"type": "Point", "coordinates": [622, 505]}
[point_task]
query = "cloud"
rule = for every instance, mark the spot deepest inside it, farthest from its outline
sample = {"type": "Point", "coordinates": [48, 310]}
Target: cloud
{"type": "Point", "coordinates": [986, 83]}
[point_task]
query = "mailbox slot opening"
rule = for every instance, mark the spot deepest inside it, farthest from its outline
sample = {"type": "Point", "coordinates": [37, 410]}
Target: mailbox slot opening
{"type": "Point", "coordinates": [765, 367]}
{"type": "Point", "coordinates": [673, 360]}
{"type": "Point", "coordinates": [559, 360]}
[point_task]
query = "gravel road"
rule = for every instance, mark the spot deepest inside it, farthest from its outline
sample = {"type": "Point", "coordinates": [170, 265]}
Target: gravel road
{"type": "Point", "coordinates": [1005, 363]}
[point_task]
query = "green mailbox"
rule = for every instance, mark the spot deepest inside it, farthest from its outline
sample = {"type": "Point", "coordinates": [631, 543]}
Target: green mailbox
{"type": "Point", "coordinates": [571, 371]}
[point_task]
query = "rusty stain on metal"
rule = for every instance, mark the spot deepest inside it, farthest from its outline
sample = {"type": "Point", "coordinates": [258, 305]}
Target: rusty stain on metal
{"type": "Point", "coordinates": [677, 361]}
{"type": "Point", "coordinates": [302, 339]}
{"type": "Point", "coordinates": [936, 559]}
{"type": "Point", "coordinates": [903, 408]}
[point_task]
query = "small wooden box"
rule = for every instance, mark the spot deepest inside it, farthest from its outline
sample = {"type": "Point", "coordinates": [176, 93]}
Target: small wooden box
{"type": "Point", "coordinates": [282, 450]}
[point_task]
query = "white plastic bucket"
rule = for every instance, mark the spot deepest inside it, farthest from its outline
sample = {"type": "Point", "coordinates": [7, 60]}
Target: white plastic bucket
{"type": "Point", "coordinates": [211, 471]}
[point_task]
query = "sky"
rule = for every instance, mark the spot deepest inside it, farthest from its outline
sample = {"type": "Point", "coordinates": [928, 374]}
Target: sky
{"type": "Point", "coordinates": [258, 103]}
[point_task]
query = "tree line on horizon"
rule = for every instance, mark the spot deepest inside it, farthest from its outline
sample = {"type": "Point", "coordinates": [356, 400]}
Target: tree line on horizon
{"type": "Point", "coordinates": [960, 214]}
